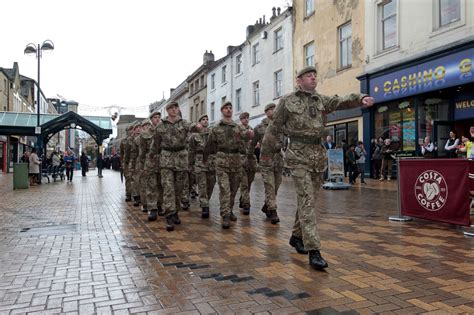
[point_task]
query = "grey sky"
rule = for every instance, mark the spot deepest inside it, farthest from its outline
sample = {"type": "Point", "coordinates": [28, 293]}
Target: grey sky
{"type": "Point", "coordinates": [125, 53]}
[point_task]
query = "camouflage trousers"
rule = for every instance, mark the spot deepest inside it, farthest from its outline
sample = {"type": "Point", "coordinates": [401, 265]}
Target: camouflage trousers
{"type": "Point", "coordinates": [153, 190]}
{"type": "Point", "coordinates": [135, 174]}
{"type": "Point", "coordinates": [206, 182]}
{"type": "Point", "coordinates": [189, 185]}
{"type": "Point", "coordinates": [272, 177]}
{"type": "Point", "coordinates": [142, 183]}
{"type": "Point", "coordinates": [307, 185]}
{"type": "Point", "coordinates": [246, 180]}
{"type": "Point", "coordinates": [172, 182]}
{"type": "Point", "coordinates": [228, 185]}
{"type": "Point", "coordinates": [128, 182]}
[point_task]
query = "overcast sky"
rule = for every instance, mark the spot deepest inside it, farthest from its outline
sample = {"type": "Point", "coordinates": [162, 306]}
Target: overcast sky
{"type": "Point", "coordinates": [123, 53]}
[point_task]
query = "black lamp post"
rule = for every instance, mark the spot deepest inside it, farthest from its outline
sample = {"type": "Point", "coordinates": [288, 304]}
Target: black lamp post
{"type": "Point", "coordinates": [37, 50]}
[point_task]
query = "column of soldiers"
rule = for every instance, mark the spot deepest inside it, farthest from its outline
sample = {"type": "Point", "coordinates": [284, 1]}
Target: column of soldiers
{"type": "Point", "coordinates": [159, 153]}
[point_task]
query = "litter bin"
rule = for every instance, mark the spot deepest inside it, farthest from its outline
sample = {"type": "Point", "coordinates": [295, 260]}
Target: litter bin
{"type": "Point", "coordinates": [20, 176]}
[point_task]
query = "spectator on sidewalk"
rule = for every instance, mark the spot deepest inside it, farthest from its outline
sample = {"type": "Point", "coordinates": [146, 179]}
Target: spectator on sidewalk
{"type": "Point", "coordinates": [69, 159]}
{"type": "Point", "coordinates": [84, 164]}
{"type": "Point", "coordinates": [377, 157]}
{"type": "Point", "coordinates": [34, 168]}
{"type": "Point", "coordinates": [428, 149]}
{"type": "Point", "coordinates": [389, 150]}
{"type": "Point", "coordinates": [451, 145]}
{"type": "Point", "coordinates": [351, 164]}
{"type": "Point", "coordinates": [361, 155]}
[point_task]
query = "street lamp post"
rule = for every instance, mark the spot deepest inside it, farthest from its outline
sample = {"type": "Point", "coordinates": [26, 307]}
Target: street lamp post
{"type": "Point", "coordinates": [37, 50]}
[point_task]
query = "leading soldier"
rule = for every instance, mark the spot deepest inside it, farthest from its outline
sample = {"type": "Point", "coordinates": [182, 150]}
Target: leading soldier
{"type": "Point", "coordinates": [301, 116]}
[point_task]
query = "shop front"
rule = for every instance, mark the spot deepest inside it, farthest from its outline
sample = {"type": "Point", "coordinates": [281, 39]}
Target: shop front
{"type": "Point", "coordinates": [428, 96]}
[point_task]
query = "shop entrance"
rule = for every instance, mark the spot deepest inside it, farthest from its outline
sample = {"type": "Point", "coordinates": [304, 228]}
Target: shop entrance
{"type": "Point", "coordinates": [441, 135]}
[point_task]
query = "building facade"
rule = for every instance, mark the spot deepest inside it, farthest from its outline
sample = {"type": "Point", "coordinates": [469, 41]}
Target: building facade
{"type": "Point", "coordinates": [422, 80]}
{"type": "Point", "coordinates": [330, 36]}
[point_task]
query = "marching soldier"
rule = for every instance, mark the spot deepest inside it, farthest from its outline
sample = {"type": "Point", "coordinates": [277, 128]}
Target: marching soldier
{"type": "Point", "coordinates": [204, 171]}
{"type": "Point", "coordinates": [125, 156]}
{"type": "Point", "coordinates": [133, 166]}
{"type": "Point", "coordinates": [226, 141]}
{"type": "Point", "coordinates": [170, 137]}
{"type": "Point", "coordinates": [154, 190]}
{"type": "Point", "coordinates": [144, 142]}
{"type": "Point", "coordinates": [301, 116]}
{"type": "Point", "coordinates": [271, 173]}
{"type": "Point", "coordinates": [249, 166]}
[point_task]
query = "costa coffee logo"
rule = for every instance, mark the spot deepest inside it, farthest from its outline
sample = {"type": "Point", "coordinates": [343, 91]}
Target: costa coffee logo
{"type": "Point", "coordinates": [431, 190]}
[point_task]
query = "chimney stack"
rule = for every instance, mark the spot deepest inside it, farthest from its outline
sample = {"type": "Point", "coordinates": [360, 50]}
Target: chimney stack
{"type": "Point", "coordinates": [278, 10]}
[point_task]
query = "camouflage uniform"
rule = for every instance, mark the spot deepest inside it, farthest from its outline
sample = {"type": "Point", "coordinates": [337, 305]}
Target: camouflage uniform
{"type": "Point", "coordinates": [144, 143]}
{"type": "Point", "coordinates": [302, 116]}
{"type": "Point", "coordinates": [204, 172]}
{"type": "Point", "coordinates": [271, 173]}
{"type": "Point", "coordinates": [225, 140]}
{"type": "Point", "coordinates": [249, 168]}
{"type": "Point", "coordinates": [170, 140]}
{"type": "Point", "coordinates": [154, 189]}
{"type": "Point", "coordinates": [132, 167]}
{"type": "Point", "coordinates": [125, 155]}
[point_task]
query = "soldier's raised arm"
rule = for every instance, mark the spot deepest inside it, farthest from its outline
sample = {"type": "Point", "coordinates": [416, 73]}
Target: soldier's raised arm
{"type": "Point", "coordinates": [210, 146]}
{"type": "Point", "coordinates": [332, 103]}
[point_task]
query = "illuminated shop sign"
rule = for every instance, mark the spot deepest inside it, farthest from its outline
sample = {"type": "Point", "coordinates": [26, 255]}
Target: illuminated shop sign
{"type": "Point", "coordinates": [455, 69]}
{"type": "Point", "coordinates": [464, 107]}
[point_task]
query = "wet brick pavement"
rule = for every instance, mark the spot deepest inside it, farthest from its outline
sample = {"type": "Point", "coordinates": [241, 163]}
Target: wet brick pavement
{"type": "Point", "coordinates": [79, 248]}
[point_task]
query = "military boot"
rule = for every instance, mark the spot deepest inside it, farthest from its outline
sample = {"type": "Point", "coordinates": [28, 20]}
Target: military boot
{"type": "Point", "coordinates": [233, 217]}
{"type": "Point", "coordinates": [152, 215]}
{"type": "Point", "coordinates": [144, 209]}
{"type": "Point", "coordinates": [176, 219]}
{"type": "Point", "coordinates": [193, 194]}
{"type": "Point", "coordinates": [265, 210]}
{"type": "Point", "coordinates": [246, 211]}
{"type": "Point", "coordinates": [297, 243]}
{"type": "Point", "coordinates": [169, 222]}
{"type": "Point", "coordinates": [226, 221]}
{"type": "Point", "coordinates": [161, 212]}
{"type": "Point", "coordinates": [274, 217]}
{"type": "Point", "coordinates": [137, 201]}
{"type": "Point", "coordinates": [205, 212]}
{"type": "Point", "coordinates": [128, 198]}
{"type": "Point", "coordinates": [316, 260]}
{"type": "Point", "coordinates": [185, 206]}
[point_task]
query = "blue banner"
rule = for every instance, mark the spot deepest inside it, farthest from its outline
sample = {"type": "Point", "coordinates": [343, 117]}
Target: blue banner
{"type": "Point", "coordinates": [455, 69]}
{"type": "Point", "coordinates": [464, 106]}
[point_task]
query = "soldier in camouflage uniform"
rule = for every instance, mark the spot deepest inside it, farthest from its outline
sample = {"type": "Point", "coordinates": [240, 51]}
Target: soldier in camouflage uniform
{"type": "Point", "coordinates": [133, 165]}
{"type": "Point", "coordinates": [154, 190]}
{"type": "Point", "coordinates": [301, 116]}
{"type": "Point", "coordinates": [271, 173]}
{"type": "Point", "coordinates": [144, 142]}
{"type": "Point", "coordinates": [170, 139]}
{"type": "Point", "coordinates": [204, 172]}
{"type": "Point", "coordinates": [249, 166]}
{"type": "Point", "coordinates": [125, 156]}
{"type": "Point", "coordinates": [226, 142]}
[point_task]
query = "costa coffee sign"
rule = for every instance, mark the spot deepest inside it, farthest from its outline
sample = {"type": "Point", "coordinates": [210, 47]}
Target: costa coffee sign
{"type": "Point", "coordinates": [431, 190]}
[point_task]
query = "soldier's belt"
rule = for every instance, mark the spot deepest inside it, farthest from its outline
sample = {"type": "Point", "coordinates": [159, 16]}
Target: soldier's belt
{"type": "Point", "coordinates": [305, 140]}
{"type": "Point", "coordinates": [174, 149]}
{"type": "Point", "coordinates": [228, 151]}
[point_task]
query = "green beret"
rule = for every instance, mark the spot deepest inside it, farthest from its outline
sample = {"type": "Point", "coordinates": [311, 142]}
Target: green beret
{"type": "Point", "coordinates": [271, 105]}
{"type": "Point", "coordinates": [306, 70]}
{"type": "Point", "coordinates": [228, 103]}
{"type": "Point", "coordinates": [154, 114]}
{"type": "Point", "coordinates": [244, 115]}
{"type": "Point", "coordinates": [146, 122]}
{"type": "Point", "coordinates": [168, 106]}
{"type": "Point", "coordinates": [202, 116]}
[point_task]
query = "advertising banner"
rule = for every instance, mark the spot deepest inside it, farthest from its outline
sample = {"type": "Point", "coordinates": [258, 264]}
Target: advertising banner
{"type": "Point", "coordinates": [335, 163]}
{"type": "Point", "coordinates": [436, 189]}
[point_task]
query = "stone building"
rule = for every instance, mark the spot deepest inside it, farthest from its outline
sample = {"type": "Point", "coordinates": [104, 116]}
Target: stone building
{"type": "Point", "coordinates": [197, 89]}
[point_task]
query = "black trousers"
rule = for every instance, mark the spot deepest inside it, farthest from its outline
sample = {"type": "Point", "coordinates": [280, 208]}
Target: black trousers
{"type": "Point", "coordinates": [69, 173]}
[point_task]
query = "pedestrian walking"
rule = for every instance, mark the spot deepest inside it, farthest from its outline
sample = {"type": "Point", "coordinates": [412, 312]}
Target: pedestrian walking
{"type": "Point", "coordinates": [84, 163]}
{"type": "Point", "coordinates": [34, 168]}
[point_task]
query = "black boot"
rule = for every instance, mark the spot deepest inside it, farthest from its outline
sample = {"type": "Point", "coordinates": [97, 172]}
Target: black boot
{"type": "Point", "coordinates": [274, 217]}
{"type": "Point", "coordinates": [128, 198]}
{"type": "Point", "coordinates": [152, 215]}
{"type": "Point", "coordinates": [185, 206]}
{"type": "Point", "coordinates": [246, 210]}
{"type": "Point", "coordinates": [176, 219]}
{"type": "Point", "coordinates": [297, 243]}
{"type": "Point", "coordinates": [193, 195]}
{"type": "Point", "coordinates": [316, 260]}
{"type": "Point", "coordinates": [161, 212]}
{"type": "Point", "coordinates": [226, 221]}
{"type": "Point", "coordinates": [137, 201]}
{"type": "Point", "coordinates": [144, 209]}
{"type": "Point", "coordinates": [205, 212]}
{"type": "Point", "coordinates": [232, 217]}
{"type": "Point", "coordinates": [169, 222]}
{"type": "Point", "coordinates": [265, 210]}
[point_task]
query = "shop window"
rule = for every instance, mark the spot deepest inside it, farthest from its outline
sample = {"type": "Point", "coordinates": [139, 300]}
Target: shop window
{"type": "Point", "coordinates": [429, 111]}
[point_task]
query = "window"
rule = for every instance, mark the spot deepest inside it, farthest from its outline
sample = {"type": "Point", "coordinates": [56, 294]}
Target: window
{"type": "Point", "coordinates": [192, 88]}
{"type": "Point", "coordinates": [238, 64]}
{"type": "Point", "coordinates": [255, 54]}
{"type": "Point", "coordinates": [223, 74]}
{"type": "Point", "coordinates": [345, 46]}
{"type": "Point", "coordinates": [309, 54]}
{"type": "Point", "coordinates": [278, 35]}
{"type": "Point", "coordinates": [278, 76]}
{"type": "Point", "coordinates": [202, 107]}
{"type": "Point", "coordinates": [238, 96]}
{"type": "Point", "coordinates": [387, 11]}
{"type": "Point", "coordinates": [202, 81]}
{"type": "Point", "coordinates": [191, 113]}
{"type": "Point", "coordinates": [213, 107]}
{"type": "Point", "coordinates": [256, 93]}
{"type": "Point", "coordinates": [309, 7]}
{"type": "Point", "coordinates": [213, 81]}
{"type": "Point", "coordinates": [449, 12]}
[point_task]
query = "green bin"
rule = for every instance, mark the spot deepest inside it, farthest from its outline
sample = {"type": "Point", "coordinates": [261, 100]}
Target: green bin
{"type": "Point", "coordinates": [20, 176]}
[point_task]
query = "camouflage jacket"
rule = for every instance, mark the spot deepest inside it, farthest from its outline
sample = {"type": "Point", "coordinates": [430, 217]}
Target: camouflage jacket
{"type": "Point", "coordinates": [133, 153]}
{"type": "Point", "coordinates": [152, 159]}
{"type": "Point", "coordinates": [301, 116]}
{"type": "Point", "coordinates": [144, 144]}
{"type": "Point", "coordinates": [170, 142]}
{"type": "Point", "coordinates": [197, 142]}
{"type": "Point", "coordinates": [279, 143]}
{"type": "Point", "coordinates": [226, 142]}
{"type": "Point", "coordinates": [125, 152]}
